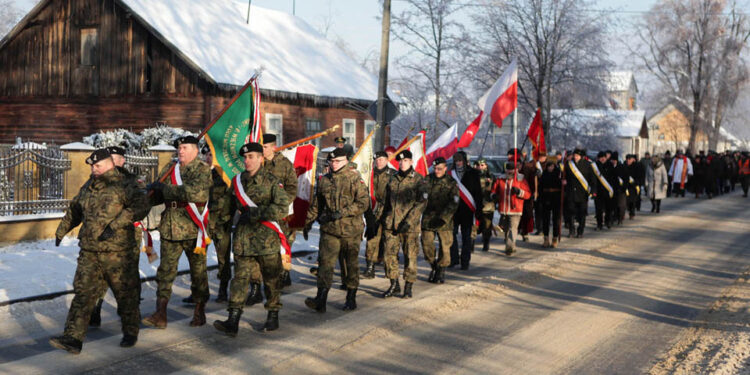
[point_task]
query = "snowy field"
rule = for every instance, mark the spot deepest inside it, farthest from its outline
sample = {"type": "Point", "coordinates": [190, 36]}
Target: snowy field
{"type": "Point", "coordinates": [34, 268]}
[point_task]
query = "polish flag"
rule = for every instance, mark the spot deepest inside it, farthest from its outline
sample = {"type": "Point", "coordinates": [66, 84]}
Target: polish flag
{"type": "Point", "coordinates": [446, 145]}
{"type": "Point", "coordinates": [470, 132]}
{"type": "Point", "coordinates": [303, 158]}
{"type": "Point", "coordinates": [502, 98]}
{"type": "Point", "coordinates": [417, 147]}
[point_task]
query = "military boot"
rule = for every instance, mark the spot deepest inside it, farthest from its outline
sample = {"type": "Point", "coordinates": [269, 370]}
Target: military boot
{"type": "Point", "coordinates": [128, 341]}
{"type": "Point", "coordinates": [272, 321]}
{"type": "Point", "coordinates": [159, 318]}
{"type": "Point", "coordinates": [254, 296]}
{"type": "Point", "coordinates": [394, 289]}
{"type": "Point", "coordinates": [222, 297]}
{"type": "Point", "coordinates": [546, 242]}
{"type": "Point", "coordinates": [432, 273]}
{"type": "Point", "coordinates": [319, 302]}
{"type": "Point", "coordinates": [230, 326]}
{"type": "Point", "coordinates": [67, 343]}
{"type": "Point", "coordinates": [407, 290]}
{"type": "Point", "coordinates": [486, 243]}
{"type": "Point", "coordinates": [188, 300]}
{"type": "Point", "coordinates": [351, 299]}
{"type": "Point", "coordinates": [199, 315]}
{"type": "Point", "coordinates": [286, 279]}
{"type": "Point", "coordinates": [440, 276]}
{"type": "Point", "coordinates": [96, 315]}
{"type": "Point", "coordinates": [580, 231]}
{"type": "Point", "coordinates": [369, 270]}
{"type": "Point", "coordinates": [555, 241]}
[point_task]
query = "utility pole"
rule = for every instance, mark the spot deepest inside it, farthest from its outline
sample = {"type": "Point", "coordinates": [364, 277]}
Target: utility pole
{"type": "Point", "coordinates": [294, 7]}
{"type": "Point", "coordinates": [249, 2]}
{"type": "Point", "coordinates": [379, 141]}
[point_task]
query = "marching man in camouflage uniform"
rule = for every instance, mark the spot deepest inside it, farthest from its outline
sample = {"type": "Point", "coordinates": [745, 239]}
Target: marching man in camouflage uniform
{"type": "Point", "coordinates": [280, 167]}
{"type": "Point", "coordinates": [340, 200]}
{"type": "Point", "coordinates": [261, 199]}
{"type": "Point", "coordinates": [437, 219]}
{"type": "Point", "coordinates": [185, 195]}
{"type": "Point", "coordinates": [374, 216]}
{"type": "Point", "coordinates": [106, 208]}
{"type": "Point", "coordinates": [220, 226]}
{"type": "Point", "coordinates": [406, 196]}
{"type": "Point", "coordinates": [486, 182]}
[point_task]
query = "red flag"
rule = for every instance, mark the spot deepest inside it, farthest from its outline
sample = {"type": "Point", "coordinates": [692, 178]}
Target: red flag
{"type": "Point", "coordinates": [502, 98]}
{"type": "Point", "coordinates": [303, 158]}
{"type": "Point", "coordinates": [470, 132]}
{"type": "Point", "coordinates": [536, 135]}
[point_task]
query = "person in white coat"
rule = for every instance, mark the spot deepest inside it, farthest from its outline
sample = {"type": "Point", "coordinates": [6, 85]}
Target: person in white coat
{"type": "Point", "coordinates": [656, 183]}
{"type": "Point", "coordinates": [680, 170]}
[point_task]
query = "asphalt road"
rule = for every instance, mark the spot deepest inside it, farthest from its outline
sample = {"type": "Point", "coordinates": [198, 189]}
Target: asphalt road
{"type": "Point", "coordinates": [613, 302]}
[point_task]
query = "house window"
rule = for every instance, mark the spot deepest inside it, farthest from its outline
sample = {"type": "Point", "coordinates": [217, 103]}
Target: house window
{"type": "Point", "coordinates": [369, 125]}
{"type": "Point", "coordinates": [274, 125]}
{"type": "Point", "coordinates": [350, 131]}
{"type": "Point", "coordinates": [661, 136]}
{"type": "Point", "coordinates": [89, 47]}
{"type": "Point", "coordinates": [312, 127]}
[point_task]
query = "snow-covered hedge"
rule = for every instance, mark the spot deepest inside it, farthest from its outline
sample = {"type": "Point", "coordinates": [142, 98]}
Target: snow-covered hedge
{"type": "Point", "coordinates": [160, 135]}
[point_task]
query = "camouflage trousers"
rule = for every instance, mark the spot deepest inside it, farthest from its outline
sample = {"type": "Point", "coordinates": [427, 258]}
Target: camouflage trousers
{"type": "Point", "coordinates": [255, 275]}
{"type": "Point", "coordinates": [330, 249]}
{"type": "Point", "coordinates": [372, 253]}
{"type": "Point", "coordinates": [445, 238]}
{"type": "Point", "coordinates": [167, 272]}
{"type": "Point", "coordinates": [270, 268]}
{"type": "Point", "coordinates": [410, 245]}
{"type": "Point", "coordinates": [95, 272]}
{"type": "Point", "coordinates": [222, 239]}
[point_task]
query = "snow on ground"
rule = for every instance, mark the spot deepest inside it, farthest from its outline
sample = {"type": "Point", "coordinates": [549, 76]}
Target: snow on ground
{"type": "Point", "coordinates": [33, 268]}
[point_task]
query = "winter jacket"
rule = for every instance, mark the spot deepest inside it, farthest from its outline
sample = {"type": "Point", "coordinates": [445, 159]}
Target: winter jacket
{"type": "Point", "coordinates": [656, 182]}
{"type": "Point", "coordinates": [509, 203]}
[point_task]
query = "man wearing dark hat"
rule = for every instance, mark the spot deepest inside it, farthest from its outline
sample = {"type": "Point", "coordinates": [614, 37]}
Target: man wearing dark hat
{"type": "Point", "coordinates": [340, 142]}
{"type": "Point", "coordinates": [634, 189]}
{"type": "Point", "coordinates": [603, 201]}
{"type": "Point", "coordinates": [106, 208]}
{"type": "Point", "coordinates": [406, 196]}
{"type": "Point", "coordinates": [620, 185]}
{"type": "Point", "coordinates": [339, 203]}
{"type": "Point", "coordinates": [437, 219]}
{"type": "Point", "coordinates": [580, 184]}
{"type": "Point", "coordinates": [262, 202]}
{"type": "Point", "coordinates": [510, 193]}
{"type": "Point", "coordinates": [486, 182]}
{"type": "Point", "coordinates": [381, 175]}
{"type": "Point", "coordinates": [465, 216]}
{"type": "Point", "coordinates": [185, 194]}
{"type": "Point", "coordinates": [278, 165]}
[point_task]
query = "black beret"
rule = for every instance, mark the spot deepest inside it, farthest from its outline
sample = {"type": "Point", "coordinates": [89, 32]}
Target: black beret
{"type": "Point", "coordinates": [439, 160]}
{"type": "Point", "coordinates": [601, 154]}
{"type": "Point", "coordinates": [406, 154]}
{"type": "Point", "coordinates": [116, 150]}
{"type": "Point", "coordinates": [339, 152]}
{"type": "Point", "coordinates": [461, 155]}
{"type": "Point", "coordinates": [615, 155]}
{"type": "Point", "coordinates": [381, 154]}
{"type": "Point", "coordinates": [579, 152]}
{"type": "Point", "coordinates": [188, 139]}
{"type": "Point", "coordinates": [340, 140]}
{"type": "Point", "coordinates": [630, 156]}
{"type": "Point", "coordinates": [98, 156]}
{"type": "Point", "coordinates": [251, 147]}
{"type": "Point", "coordinates": [514, 151]}
{"type": "Point", "coordinates": [269, 138]}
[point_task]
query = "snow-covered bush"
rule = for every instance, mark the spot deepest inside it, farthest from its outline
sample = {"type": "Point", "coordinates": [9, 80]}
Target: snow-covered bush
{"type": "Point", "coordinates": [162, 135]}
{"type": "Point", "coordinates": [117, 137]}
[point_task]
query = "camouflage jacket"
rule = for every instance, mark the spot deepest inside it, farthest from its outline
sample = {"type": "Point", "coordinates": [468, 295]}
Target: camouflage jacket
{"type": "Point", "coordinates": [486, 182]}
{"type": "Point", "coordinates": [251, 238]}
{"type": "Point", "coordinates": [108, 200]}
{"type": "Point", "coordinates": [344, 192]}
{"type": "Point", "coordinates": [176, 224]}
{"type": "Point", "coordinates": [283, 169]}
{"type": "Point", "coordinates": [219, 202]}
{"type": "Point", "coordinates": [380, 181]}
{"type": "Point", "coordinates": [406, 196]}
{"type": "Point", "coordinates": [442, 202]}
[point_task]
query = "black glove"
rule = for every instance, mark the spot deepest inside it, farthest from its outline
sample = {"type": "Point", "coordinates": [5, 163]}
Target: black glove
{"type": "Point", "coordinates": [106, 234]}
{"type": "Point", "coordinates": [436, 222]}
{"type": "Point", "coordinates": [402, 228]}
{"type": "Point", "coordinates": [57, 242]}
{"type": "Point", "coordinates": [250, 214]}
{"type": "Point", "coordinates": [324, 218]}
{"type": "Point", "coordinates": [156, 186]}
{"type": "Point", "coordinates": [336, 216]}
{"type": "Point", "coordinates": [514, 190]}
{"type": "Point", "coordinates": [306, 231]}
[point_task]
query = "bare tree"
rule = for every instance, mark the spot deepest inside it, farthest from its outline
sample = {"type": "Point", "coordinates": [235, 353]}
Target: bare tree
{"type": "Point", "coordinates": [429, 30]}
{"type": "Point", "coordinates": [559, 47]}
{"type": "Point", "coordinates": [9, 16]}
{"type": "Point", "coordinates": [693, 49]}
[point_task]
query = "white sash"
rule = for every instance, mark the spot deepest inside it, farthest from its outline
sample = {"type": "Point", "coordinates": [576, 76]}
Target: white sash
{"type": "Point", "coordinates": [199, 218]}
{"type": "Point", "coordinates": [579, 176]}
{"type": "Point", "coordinates": [602, 179]}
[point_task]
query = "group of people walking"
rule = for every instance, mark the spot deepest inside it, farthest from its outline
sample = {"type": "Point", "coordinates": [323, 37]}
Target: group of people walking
{"type": "Point", "coordinates": [443, 212]}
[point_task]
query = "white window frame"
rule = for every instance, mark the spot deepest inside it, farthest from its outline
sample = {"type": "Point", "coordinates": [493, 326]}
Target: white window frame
{"type": "Point", "coordinates": [351, 137]}
{"type": "Point", "coordinates": [369, 125]}
{"type": "Point", "coordinates": [278, 132]}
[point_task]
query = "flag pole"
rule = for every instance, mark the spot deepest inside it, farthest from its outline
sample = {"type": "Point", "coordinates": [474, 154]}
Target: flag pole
{"type": "Point", "coordinates": [484, 142]}
{"type": "Point", "coordinates": [306, 139]}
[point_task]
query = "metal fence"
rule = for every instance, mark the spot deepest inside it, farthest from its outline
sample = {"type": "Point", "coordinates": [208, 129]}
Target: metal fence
{"type": "Point", "coordinates": [32, 179]}
{"type": "Point", "coordinates": [143, 164]}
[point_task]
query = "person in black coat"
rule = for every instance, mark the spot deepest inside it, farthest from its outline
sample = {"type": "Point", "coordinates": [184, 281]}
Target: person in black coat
{"type": "Point", "coordinates": [633, 195]}
{"type": "Point", "coordinates": [578, 186]}
{"type": "Point", "coordinates": [465, 217]}
{"type": "Point", "coordinates": [620, 183]}
{"type": "Point", "coordinates": [699, 176]}
{"type": "Point", "coordinates": [603, 201]}
{"type": "Point", "coordinates": [550, 190]}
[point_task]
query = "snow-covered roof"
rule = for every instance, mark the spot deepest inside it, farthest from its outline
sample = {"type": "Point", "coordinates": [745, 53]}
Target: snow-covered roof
{"type": "Point", "coordinates": [294, 57]}
{"type": "Point", "coordinates": [627, 124]}
{"type": "Point", "coordinates": [619, 81]}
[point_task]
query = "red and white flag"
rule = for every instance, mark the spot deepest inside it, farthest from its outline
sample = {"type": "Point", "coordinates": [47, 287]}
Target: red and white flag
{"type": "Point", "coordinates": [417, 148]}
{"type": "Point", "coordinates": [502, 98]}
{"type": "Point", "coordinates": [445, 145]}
{"type": "Point", "coordinates": [303, 158]}
{"type": "Point", "coordinates": [470, 132]}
